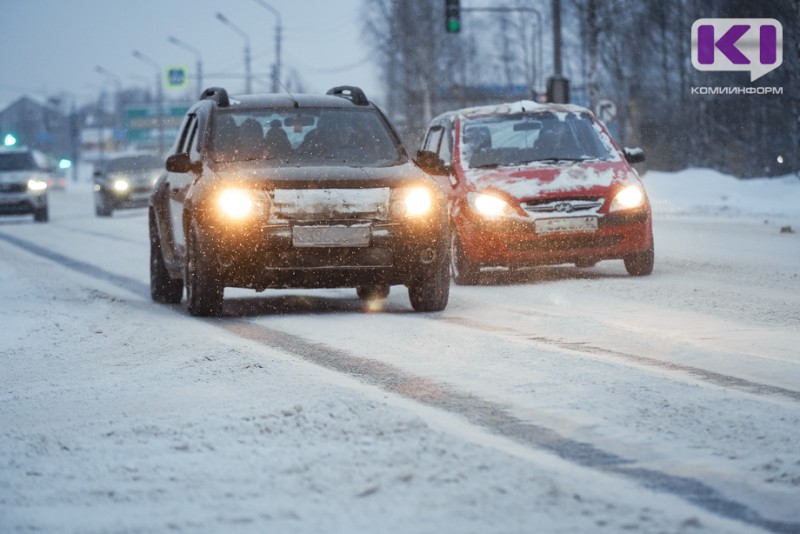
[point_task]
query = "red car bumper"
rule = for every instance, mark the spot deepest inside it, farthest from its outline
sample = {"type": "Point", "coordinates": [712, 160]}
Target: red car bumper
{"type": "Point", "coordinates": [516, 243]}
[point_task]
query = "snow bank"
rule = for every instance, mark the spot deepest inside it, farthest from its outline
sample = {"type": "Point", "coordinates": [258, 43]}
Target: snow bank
{"type": "Point", "coordinates": [709, 192]}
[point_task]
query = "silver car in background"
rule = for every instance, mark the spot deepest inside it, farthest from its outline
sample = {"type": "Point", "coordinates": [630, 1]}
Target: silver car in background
{"type": "Point", "coordinates": [24, 175]}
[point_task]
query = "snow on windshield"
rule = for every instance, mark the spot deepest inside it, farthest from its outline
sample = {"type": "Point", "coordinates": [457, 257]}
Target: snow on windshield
{"type": "Point", "coordinates": [523, 138]}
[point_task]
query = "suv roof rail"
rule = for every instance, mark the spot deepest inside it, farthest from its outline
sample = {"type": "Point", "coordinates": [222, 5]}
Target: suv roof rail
{"type": "Point", "coordinates": [218, 95]}
{"type": "Point", "coordinates": [354, 94]}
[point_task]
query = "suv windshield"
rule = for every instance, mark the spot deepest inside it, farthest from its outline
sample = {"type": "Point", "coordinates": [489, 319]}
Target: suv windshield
{"type": "Point", "coordinates": [528, 137]}
{"type": "Point", "coordinates": [17, 161]}
{"type": "Point", "coordinates": [304, 136]}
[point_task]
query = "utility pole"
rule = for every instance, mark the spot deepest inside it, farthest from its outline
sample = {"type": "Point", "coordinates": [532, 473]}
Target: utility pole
{"type": "Point", "coordinates": [557, 85]}
{"type": "Point", "coordinates": [276, 68]}
{"type": "Point", "coordinates": [247, 73]}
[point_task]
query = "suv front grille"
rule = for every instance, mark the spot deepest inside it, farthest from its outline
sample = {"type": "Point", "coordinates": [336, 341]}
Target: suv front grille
{"type": "Point", "coordinates": [331, 204]}
{"type": "Point", "coordinates": [13, 188]}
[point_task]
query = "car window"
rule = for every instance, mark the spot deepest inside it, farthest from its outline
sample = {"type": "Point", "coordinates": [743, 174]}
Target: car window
{"type": "Point", "coordinates": [446, 146]}
{"type": "Point", "coordinates": [528, 137]}
{"type": "Point", "coordinates": [305, 136]}
{"type": "Point", "coordinates": [16, 161]}
{"type": "Point", "coordinates": [433, 139]}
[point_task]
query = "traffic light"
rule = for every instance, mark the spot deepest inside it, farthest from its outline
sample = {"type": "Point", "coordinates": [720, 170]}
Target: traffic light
{"type": "Point", "coordinates": [452, 16]}
{"type": "Point", "coordinates": [9, 140]}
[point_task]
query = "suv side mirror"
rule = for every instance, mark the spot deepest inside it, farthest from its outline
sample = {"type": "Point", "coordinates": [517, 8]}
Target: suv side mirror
{"type": "Point", "coordinates": [633, 155]}
{"type": "Point", "coordinates": [180, 163]}
{"type": "Point", "coordinates": [431, 163]}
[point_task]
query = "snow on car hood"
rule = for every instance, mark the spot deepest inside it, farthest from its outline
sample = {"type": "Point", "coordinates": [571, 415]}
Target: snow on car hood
{"type": "Point", "coordinates": [544, 180]}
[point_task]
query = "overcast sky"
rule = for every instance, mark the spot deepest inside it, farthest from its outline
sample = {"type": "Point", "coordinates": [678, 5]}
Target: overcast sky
{"type": "Point", "coordinates": [50, 46]}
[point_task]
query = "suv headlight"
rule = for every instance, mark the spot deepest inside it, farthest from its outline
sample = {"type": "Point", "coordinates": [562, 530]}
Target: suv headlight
{"type": "Point", "coordinates": [630, 197]}
{"type": "Point", "coordinates": [120, 185]}
{"type": "Point", "coordinates": [238, 204]}
{"type": "Point", "coordinates": [411, 201]}
{"type": "Point", "coordinates": [489, 206]}
{"type": "Point", "coordinates": [36, 185]}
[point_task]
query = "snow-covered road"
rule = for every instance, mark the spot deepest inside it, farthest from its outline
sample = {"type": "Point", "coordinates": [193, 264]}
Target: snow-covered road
{"type": "Point", "coordinates": [552, 400]}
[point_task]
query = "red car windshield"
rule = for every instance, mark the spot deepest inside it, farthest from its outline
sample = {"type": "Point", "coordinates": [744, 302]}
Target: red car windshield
{"type": "Point", "coordinates": [503, 140]}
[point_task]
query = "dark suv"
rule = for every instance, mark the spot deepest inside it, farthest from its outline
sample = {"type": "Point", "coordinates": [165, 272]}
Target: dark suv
{"type": "Point", "coordinates": [24, 175]}
{"type": "Point", "coordinates": [312, 191]}
{"type": "Point", "coordinates": [125, 181]}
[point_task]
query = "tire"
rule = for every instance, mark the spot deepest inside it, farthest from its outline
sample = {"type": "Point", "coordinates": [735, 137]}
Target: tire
{"type": "Point", "coordinates": [431, 292]}
{"type": "Point", "coordinates": [204, 288]}
{"type": "Point", "coordinates": [641, 263]}
{"type": "Point", "coordinates": [41, 214]}
{"type": "Point", "coordinates": [103, 207]}
{"type": "Point", "coordinates": [464, 271]}
{"type": "Point", "coordinates": [373, 292]}
{"type": "Point", "coordinates": [163, 288]}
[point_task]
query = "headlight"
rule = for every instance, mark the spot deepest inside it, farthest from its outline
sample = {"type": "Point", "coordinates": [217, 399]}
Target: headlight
{"type": "Point", "coordinates": [36, 185]}
{"type": "Point", "coordinates": [120, 186]}
{"type": "Point", "coordinates": [235, 203]}
{"type": "Point", "coordinates": [411, 201]}
{"type": "Point", "coordinates": [489, 206]}
{"type": "Point", "coordinates": [629, 198]}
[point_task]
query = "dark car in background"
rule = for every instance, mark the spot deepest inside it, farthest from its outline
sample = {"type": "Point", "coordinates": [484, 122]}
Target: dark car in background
{"type": "Point", "coordinates": [535, 184]}
{"type": "Point", "coordinates": [125, 181]}
{"type": "Point", "coordinates": [306, 191]}
{"type": "Point", "coordinates": [24, 177]}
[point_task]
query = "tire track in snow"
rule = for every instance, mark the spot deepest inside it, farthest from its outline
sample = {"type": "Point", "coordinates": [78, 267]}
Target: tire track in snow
{"type": "Point", "coordinates": [477, 411]}
{"type": "Point", "coordinates": [711, 377]}
{"type": "Point", "coordinates": [124, 282]}
{"type": "Point", "coordinates": [496, 419]}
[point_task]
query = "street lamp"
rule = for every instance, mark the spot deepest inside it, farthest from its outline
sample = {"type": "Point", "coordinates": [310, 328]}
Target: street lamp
{"type": "Point", "coordinates": [159, 97]}
{"type": "Point", "coordinates": [248, 77]}
{"type": "Point", "coordinates": [276, 69]}
{"type": "Point", "coordinates": [118, 84]}
{"type": "Point", "coordinates": [196, 52]}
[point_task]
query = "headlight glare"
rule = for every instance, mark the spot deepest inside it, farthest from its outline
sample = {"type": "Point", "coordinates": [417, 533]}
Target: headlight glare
{"type": "Point", "coordinates": [489, 206]}
{"type": "Point", "coordinates": [411, 201]}
{"type": "Point", "coordinates": [630, 197]}
{"type": "Point", "coordinates": [37, 185]}
{"type": "Point", "coordinates": [235, 203]}
{"type": "Point", "coordinates": [120, 185]}
{"type": "Point", "coordinates": [417, 202]}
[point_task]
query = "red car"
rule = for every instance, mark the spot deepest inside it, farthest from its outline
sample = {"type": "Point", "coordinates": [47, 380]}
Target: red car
{"type": "Point", "coordinates": [537, 184]}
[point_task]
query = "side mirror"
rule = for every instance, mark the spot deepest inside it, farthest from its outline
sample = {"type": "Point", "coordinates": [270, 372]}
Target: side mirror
{"type": "Point", "coordinates": [633, 155]}
{"type": "Point", "coordinates": [431, 163]}
{"type": "Point", "coordinates": [180, 163]}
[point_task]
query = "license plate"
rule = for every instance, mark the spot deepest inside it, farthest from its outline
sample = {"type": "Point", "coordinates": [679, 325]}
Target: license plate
{"type": "Point", "coordinates": [566, 225]}
{"type": "Point", "coordinates": [331, 236]}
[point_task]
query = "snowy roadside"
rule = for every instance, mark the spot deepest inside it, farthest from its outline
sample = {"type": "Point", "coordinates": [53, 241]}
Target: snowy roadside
{"type": "Point", "coordinates": [120, 416]}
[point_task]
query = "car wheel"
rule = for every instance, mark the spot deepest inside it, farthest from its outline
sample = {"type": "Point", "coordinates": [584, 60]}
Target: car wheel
{"type": "Point", "coordinates": [163, 288]}
{"type": "Point", "coordinates": [103, 207]}
{"type": "Point", "coordinates": [464, 271]}
{"type": "Point", "coordinates": [431, 292]}
{"type": "Point", "coordinates": [41, 214]}
{"type": "Point", "coordinates": [204, 289]}
{"type": "Point", "coordinates": [641, 263]}
{"type": "Point", "coordinates": [373, 292]}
